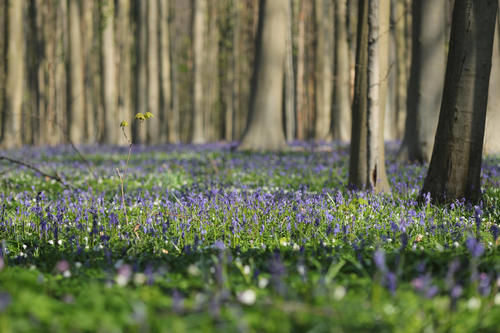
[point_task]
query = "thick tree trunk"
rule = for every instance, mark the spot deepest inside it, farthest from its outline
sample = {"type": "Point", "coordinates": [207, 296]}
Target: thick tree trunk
{"type": "Point", "coordinates": [367, 159]}
{"type": "Point", "coordinates": [341, 122]}
{"type": "Point", "coordinates": [76, 96]}
{"type": "Point", "coordinates": [108, 79]}
{"type": "Point", "coordinates": [455, 167]}
{"type": "Point", "coordinates": [492, 134]}
{"type": "Point", "coordinates": [153, 73]}
{"type": "Point", "coordinates": [92, 107]}
{"type": "Point", "coordinates": [12, 120]}
{"type": "Point", "coordinates": [199, 19]}
{"type": "Point", "coordinates": [324, 72]}
{"type": "Point", "coordinates": [265, 130]}
{"type": "Point", "coordinates": [426, 79]}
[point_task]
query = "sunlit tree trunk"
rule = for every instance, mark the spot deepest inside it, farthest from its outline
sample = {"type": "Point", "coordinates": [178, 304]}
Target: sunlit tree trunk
{"type": "Point", "coordinates": [301, 68]}
{"type": "Point", "coordinates": [3, 59]}
{"type": "Point", "coordinates": [289, 78]}
{"type": "Point", "coordinates": [199, 21]}
{"type": "Point", "coordinates": [108, 79]}
{"type": "Point", "coordinates": [12, 117]}
{"type": "Point", "coordinates": [455, 167]}
{"type": "Point", "coordinates": [341, 97]}
{"type": "Point", "coordinates": [75, 80]}
{"type": "Point", "coordinates": [324, 71]}
{"type": "Point", "coordinates": [153, 73]}
{"type": "Point", "coordinates": [264, 130]}
{"type": "Point", "coordinates": [141, 69]}
{"type": "Point", "coordinates": [426, 79]}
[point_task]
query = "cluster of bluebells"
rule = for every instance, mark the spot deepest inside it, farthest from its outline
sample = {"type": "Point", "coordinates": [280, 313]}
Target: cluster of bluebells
{"type": "Point", "coordinates": [224, 203]}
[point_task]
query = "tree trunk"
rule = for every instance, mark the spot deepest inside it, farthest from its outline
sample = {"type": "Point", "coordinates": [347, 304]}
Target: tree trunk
{"type": "Point", "coordinates": [289, 78]}
{"type": "Point", "coordinates": [77, 99]}
{"type": "Point", "coordinates": [324, 71]}
{"type": "Point", "coordinates": [367, 159]}
{"type": "Point", "coordinates": [402, 55]}
{"type": "Point", "coordinates": [492, 134]}
{"type": "Point", "coordinates": [153, 74]}
{"type": "Point", "coordinates": [455, 167]}
{"type": "Point", "coordinates": [200, 12]}
{"type": "Point", "coordinates": [141, 89]}
{"type": "Point", "coordinates": [426, 79]}
{"type": "Point", "coordinates": [3, 62]}
{"type": "Point", "coordinates": [12, 121]}
{"type": "Point", "coordinates": [300, 90]}
{"type": "Point", "coordinates": [108, 79]}
{"type": "Point", "coordinates": [264, 130]}
{"type": "Point", "coordinates": [341, 96]}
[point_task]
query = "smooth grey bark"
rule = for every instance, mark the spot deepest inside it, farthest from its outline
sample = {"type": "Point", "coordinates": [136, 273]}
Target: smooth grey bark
{"type": "Point", "coordinates": [76, 95]}
{"type": "Point", "coordinates": [139, 134]}
{"type": "Point", "coordinates": [455, 168]}
{"type": "Point", "coordinates": [199, 23]}
{"type": "Point", "coordinates": [12, 113]}
{"type": "Point", "coordinates": [264, 130]}
{"type": "Point", "coordinates": [153, 74]}
{"type": "Point", "coordinates": [426, 79]}
{"type": "Point", "coordinates": [108, 77]}
{"type": "Point", "coordinates": [492, 134]}
{"type": "Point", "coordinates": [289, 78]}
{"type": "Point", "coordinates": [341, 123]}
{"type": "Point", "coordinates": [324, 68]}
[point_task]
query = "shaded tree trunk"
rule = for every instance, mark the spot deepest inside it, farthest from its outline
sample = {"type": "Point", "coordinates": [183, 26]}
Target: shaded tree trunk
{"type": "Point", "coordinates": [264, 130]}
{"type": "Point", "coordinates": [75, 71]}
{"type": "Point", "coordinates": [289, 78]}
{"type": "Point", "coordinates": [455, 167]}
{"type": "Point", "coordinates": [199, 19]}
{"type": "Point", "coordinates": [301, 68]}
{"type": "Point", "coordinates": [153, 74]}
{"type": "Point", "coordinates": [426, 79]}
{"type": "Point", "coordinates": [3, 59]}
{"type": "Point", "coordinates": [12, 115]}
{"type": "Point", "coordinates": [141, 69]}
{"type": "Point", "coordinates": [108, 78]}
{"type": "Point", "coordinates": [341, 123]}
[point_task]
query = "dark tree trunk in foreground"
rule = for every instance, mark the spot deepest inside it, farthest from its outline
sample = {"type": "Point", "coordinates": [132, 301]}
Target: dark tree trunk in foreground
{"type": "Point", "coordinates": [426, 79]}
{"type": "Point", "coordinates": [367, 165]}
{"type": "Point", "coordinates": [455, 167]}
{"type": "Point", "coordinates": [264, 130]}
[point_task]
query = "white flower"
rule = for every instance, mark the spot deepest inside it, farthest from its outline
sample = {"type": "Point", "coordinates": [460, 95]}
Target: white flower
{"type": "Point", "coordinates": [474, 303]}
{"type": "Point", "coordinates": [339, 293]}
{"type": "Point", "coordinates": [247, 297]}
{"type": "Point", "coordinates": [139, 278]}
{"type": "Point", "coordinates": [246, 270]}
{"type": "Point", "coordinates": [497, 299]}
{"type": "Point", "coordinates": [193, 270]}
{"type": "Point", "coordinates": [263, 282]}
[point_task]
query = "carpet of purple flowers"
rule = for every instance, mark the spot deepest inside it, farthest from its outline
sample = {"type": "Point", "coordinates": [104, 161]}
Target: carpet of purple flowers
{"type": "Point", "coordinates": [222, 240]}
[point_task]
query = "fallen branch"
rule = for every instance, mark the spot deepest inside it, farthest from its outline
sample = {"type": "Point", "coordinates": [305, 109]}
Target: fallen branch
{"type": "Point", "coordinates": [54, 176]}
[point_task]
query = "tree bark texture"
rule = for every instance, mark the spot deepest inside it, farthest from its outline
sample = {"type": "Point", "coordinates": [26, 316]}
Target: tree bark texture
{"type": "Point", "coordinates": [265, 130]}
{"type": "Point", "coordinates": [289, 78]}
{"type": "Point", "coordinates": [199, 23]}
{"type": "Point", "coordinates": [141, 70]}
{"type": "Point", "coordinates": [426, 79]}
{"type": "Point", "coordinates": [455, 167]}
{"type": "Point", "coordinates": [153, 74]}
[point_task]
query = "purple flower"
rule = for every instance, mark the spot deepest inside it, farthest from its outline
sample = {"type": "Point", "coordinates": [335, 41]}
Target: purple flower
{"type": "Point", "coordinates": [5, 301]}
{"type": "Point", "coordinates": [475, 247]}
{"type": "Point", "coordinates": [379, 259]}
{"type": "Point", "coordinates": [494, 231]}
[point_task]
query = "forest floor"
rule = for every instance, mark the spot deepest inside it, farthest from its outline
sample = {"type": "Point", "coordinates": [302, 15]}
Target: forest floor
{"type": "Point", "coordinates": [216, 240]}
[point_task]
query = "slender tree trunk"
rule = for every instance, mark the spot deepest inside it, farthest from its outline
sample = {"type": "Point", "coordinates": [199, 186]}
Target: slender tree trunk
{"type": "Point", "coordinates": [301, 67]}
{"type": "Point", "coordinates": [492, 134]}
{"type": "Point", "coordinates": [341, 97]}
{"type": "Point", "coordinates": [426, 79]}
{"type": "Point", "coordinates": [108, 76]}
{"type": "Point", "coordinates": [123, 80]}
{"type": "Point", "coordinates": [455, 167]}
{"type": "Point", "coordinates": [12, 121]}
{"type": "Point", "coordinates": [324, 70]}
{"type": "Point", "coordinates": [200, 12]}
{"type": "Point", "coordinates": [210, 75]}
{"type": "Point", "coordinates": [153, 74]}
{"type": "Point", "coordinates": [265, 130]}
{"type": "Point", "coordinates": [141, 89]}
{"type": "Point", "coordinates": [91, 107]}
{"type": "Point", "coordinates": [3, 60]}
{"type": "Point", "coordinates": [402, 54]}
{"type": "Point", "coordinates": [289, 78]}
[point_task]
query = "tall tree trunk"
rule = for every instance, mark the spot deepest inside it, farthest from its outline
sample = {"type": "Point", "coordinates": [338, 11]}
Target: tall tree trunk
{"type": "Point", "coordinates": [153, 73]}
{"type": "Point", "coordinates": [492, 134]}
{"type": "Point", "coordinates": [301, 68]}
{"type": "Point", "coordinates": [211, 75]}
{"type": "Point", "coordinates": [141, 90]}
{"type": "Point", "coordinates": [455, 167]}
{"type": "Point", "coordinates": [12, 121]}
{"type": "Point", "coordinates": [169, 120]}
{"type": "Point", "coordinates": [265, 130]}
{"type": "Point", "coordinates": [92, 125]}
{"type": "Point", "coordinates": [426, 79]}
{"type": "Point", "coordinates": [108, 78]}
{"type": "Point", "coordinates": [76, 101]}
{"type": "Point", "coordinates": [402, 55]}
{"type": "Point", "coordinates": [289, 78]}
{"type": "Point", "coordinates": [324, 71]}
{"type": "Point", "coordinates": [367, 159]}
{"type": "Point", "coordinates": [124, 52]}
{"type": "Point", "coordinates": [199, 12]}
{"type": "Point", "coordinates": [3, 61]}
{"type": "Point", "coordinates": [341, 97]}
